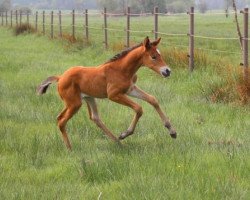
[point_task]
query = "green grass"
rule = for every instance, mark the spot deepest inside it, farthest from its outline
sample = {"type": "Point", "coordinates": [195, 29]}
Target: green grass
{"type": "Point", "coordinates": [209, 159]}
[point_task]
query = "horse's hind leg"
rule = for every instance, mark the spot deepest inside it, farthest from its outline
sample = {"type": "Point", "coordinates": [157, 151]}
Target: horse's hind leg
{"type": "Point", "coordinates": [93, 114]}
{"type": "Point", "coordinates": [71, 108]}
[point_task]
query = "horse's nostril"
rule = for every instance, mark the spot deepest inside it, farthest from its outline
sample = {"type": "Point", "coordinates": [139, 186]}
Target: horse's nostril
{"type": "Point", "coordinates": [168, 71]}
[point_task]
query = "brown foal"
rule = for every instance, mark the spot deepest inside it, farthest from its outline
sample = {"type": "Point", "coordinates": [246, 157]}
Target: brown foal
{"type": "Point", "coordinates": [115, 80]}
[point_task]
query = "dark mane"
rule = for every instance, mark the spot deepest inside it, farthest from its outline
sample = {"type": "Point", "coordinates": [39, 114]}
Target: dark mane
{"type": "Point", "coordinates": [123, 53]}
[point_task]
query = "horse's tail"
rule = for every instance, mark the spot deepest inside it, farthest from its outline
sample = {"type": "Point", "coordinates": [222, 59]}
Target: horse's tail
{"type": "Point", "coordinates": [42, 88]}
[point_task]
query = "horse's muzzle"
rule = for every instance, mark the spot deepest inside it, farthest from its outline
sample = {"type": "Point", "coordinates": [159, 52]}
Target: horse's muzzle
{"type": "Point", "coordinates": [165, 72]}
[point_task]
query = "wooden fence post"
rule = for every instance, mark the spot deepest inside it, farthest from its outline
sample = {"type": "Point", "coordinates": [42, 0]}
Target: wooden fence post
{"type": "Point", "coordinates": [73, 24]}
{"type": "Point", "coordinates": [6, 18]}
{"type": "Point", "coordinates": [28, 17]}
{"type": "Point", "coordinates": [11, 18]}
{"type": "Point", "coordinates": [43, 22]}
{"type": "Point", "coordinates": [86, 25]}
{"type": "Point", "coordinates": [128, 26]}
{"type": "Point", "coordinates": [156, 21]}
{"type": "Point", "coordinates": [105, 28]}
{"type": "Point", "coordinates": [245, 44]}
{"type": "Point", "coordinates": [36, 22]}
{"type": "Point", "coordinates": [191, 40]}
{"type": "Point", "coordinates": [2, 18]}
{"type": "Point", "coordinates": [20, 18]}
{"type": "Point", "coordinates": [52, 25]}
{"type": "Point", "coordinates": [16, 18]}
{"type": "Point", "coordinates": [60, 23]}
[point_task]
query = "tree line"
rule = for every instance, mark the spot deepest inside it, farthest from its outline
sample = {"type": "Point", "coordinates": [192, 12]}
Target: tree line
{"type": "Point", "coordinates": [137, 6]}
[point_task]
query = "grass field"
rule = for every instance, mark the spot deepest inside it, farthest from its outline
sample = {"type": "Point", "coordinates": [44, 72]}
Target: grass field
{"type": "Point", "coordinates": [209, 160]}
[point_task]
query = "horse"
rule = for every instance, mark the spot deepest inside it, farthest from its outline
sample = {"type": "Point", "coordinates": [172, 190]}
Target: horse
{"type": "Point", "coordinates": [115, 80]}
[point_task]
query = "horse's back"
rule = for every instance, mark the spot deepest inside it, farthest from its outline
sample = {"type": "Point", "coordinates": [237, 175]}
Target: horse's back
{"type": "Point", "coordinates": [88, 80]}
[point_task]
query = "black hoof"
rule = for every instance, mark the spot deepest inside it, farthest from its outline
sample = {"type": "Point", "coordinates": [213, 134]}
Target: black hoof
{"type": "Point", "coordinates": [124, 135]}
{"type": "Point", "coordinates": [121, 137]}
{"type": "Point", "coordinates": [173, 135]}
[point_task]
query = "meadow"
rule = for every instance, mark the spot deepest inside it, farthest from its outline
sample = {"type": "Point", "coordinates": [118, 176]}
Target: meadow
{"type": "Point", "coordinates": [208, 160]}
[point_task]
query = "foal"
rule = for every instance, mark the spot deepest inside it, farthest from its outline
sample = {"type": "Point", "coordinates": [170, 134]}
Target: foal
{"type": "Point", "coordinates": [115, 80]}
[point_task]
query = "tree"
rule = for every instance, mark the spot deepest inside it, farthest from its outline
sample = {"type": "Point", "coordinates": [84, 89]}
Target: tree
{"type": "Point", "coordinates": [202, 6]}
{"type": "Point", "coordinates": [5, 5]}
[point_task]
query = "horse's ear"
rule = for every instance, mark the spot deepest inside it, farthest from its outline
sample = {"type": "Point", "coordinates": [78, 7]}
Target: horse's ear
{"type": "Point", "coordinates": [156, 42]}
{"type": "Point", "coordinates": [146, 43]}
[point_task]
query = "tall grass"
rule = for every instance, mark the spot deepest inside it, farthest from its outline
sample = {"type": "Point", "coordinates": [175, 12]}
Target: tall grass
{"type": "Point", "coordinates": [209, 160]}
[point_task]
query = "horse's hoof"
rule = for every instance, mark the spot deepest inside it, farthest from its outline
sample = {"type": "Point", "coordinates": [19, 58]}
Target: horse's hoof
{"type": "Point", "coordinates": [174, 136]}
{"type": "Point", "coordinates": [124, 135]}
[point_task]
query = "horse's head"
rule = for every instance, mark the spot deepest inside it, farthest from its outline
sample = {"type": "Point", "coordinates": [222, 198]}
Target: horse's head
{"type": "Point", "coordinates": [152, 58]}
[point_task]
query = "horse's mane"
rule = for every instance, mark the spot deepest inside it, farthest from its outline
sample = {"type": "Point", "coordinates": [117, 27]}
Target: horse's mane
{"type": "Point", "coordinates": [123, 53]}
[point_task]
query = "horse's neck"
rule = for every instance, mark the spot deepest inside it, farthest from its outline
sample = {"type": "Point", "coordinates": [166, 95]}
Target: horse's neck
{"type": "Point", "coordinates": [131, 62]}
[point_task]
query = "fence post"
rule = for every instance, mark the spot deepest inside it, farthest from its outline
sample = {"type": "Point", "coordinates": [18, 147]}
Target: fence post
{"type": "Point", "coordinates": [60, 23]}
{"type": "Point", "coordinates": [86, 25]}
{"type": "Point", "coordinates": [36, 22]}
{"type": "Point", "coordinates": [20, 18]}
{"type": "Point", "coordinates": [11, 23]}
{"type": "Point", "coordinates": [16, 19]}
{"type": "Point", "coordinates": [156, 21]}
{"type": "Point", "coordinates": [105, 28]}
{"type": "Point", "coordinates": [128, 26]}
{"type": "Point", "coordinates": [2, 18]}
{"type": "Point", "coordinates": [52, 25]}
{"type": "Point", "coordinates": [28, 17]}
{"type": "Point", "coordinates": [6, 18]}
{"type": "Point", "coordinates": [43, 22]}
{"type": "Point", "coordinates": [245, 44]}
{"type": "Point", "coordinates": [191, 40]}
{"type": "Point", "coordinates": [73, 24]}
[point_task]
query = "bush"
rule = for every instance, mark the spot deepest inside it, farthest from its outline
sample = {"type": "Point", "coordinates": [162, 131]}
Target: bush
{"type": "Point", "coordinates": [23, 28]}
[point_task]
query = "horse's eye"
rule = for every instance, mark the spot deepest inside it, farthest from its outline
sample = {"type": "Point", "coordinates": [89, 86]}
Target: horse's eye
{"type": "Point", "coordinates": [153, 57]}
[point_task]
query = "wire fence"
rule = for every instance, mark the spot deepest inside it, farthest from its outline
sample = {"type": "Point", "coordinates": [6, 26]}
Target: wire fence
{"type": "Point", "coordinates": [125, 26]}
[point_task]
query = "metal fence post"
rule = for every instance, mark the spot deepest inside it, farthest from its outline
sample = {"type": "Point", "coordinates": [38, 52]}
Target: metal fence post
{"type": "Point", "coordinates": [245, 44]}
{"type": "Point", "coordinates": [191, 40]}
{"type": "Point", "coordinates": [86, 25]}
{"type": "Point", "coordinates": [73, 24]}
{"type": "Point", "coordinates": [43, 22]}
{"type": "Point", "coordinates": [128, 26]}
{"type": "Point", "coordinates": [52, 25]}
{"type": "Point", "coordinates": [105, 28]}
{"type": "Point", "coordinates": [156, 22]}
{"type": "Point", "coordinates": [60, 23]}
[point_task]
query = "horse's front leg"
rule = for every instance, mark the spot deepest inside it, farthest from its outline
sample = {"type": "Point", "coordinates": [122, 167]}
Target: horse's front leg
{"type": "Point", "coordinates": [140, 94]}
{"type": "Point", "coordinates": [124, 100]}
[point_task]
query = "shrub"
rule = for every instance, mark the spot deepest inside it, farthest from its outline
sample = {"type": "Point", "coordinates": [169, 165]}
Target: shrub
{"type": "Point", "coordinates": [23, 28]}
{"type": "Point", "coordinates": [235, 88]}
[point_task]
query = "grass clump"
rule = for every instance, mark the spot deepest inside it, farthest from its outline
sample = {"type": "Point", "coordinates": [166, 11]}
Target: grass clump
{"type": "Point", "coordinates": [23, 29]}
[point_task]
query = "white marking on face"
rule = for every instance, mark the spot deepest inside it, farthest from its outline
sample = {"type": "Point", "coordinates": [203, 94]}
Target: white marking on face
{"type": "Point", "coordinates": [158, 51]}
